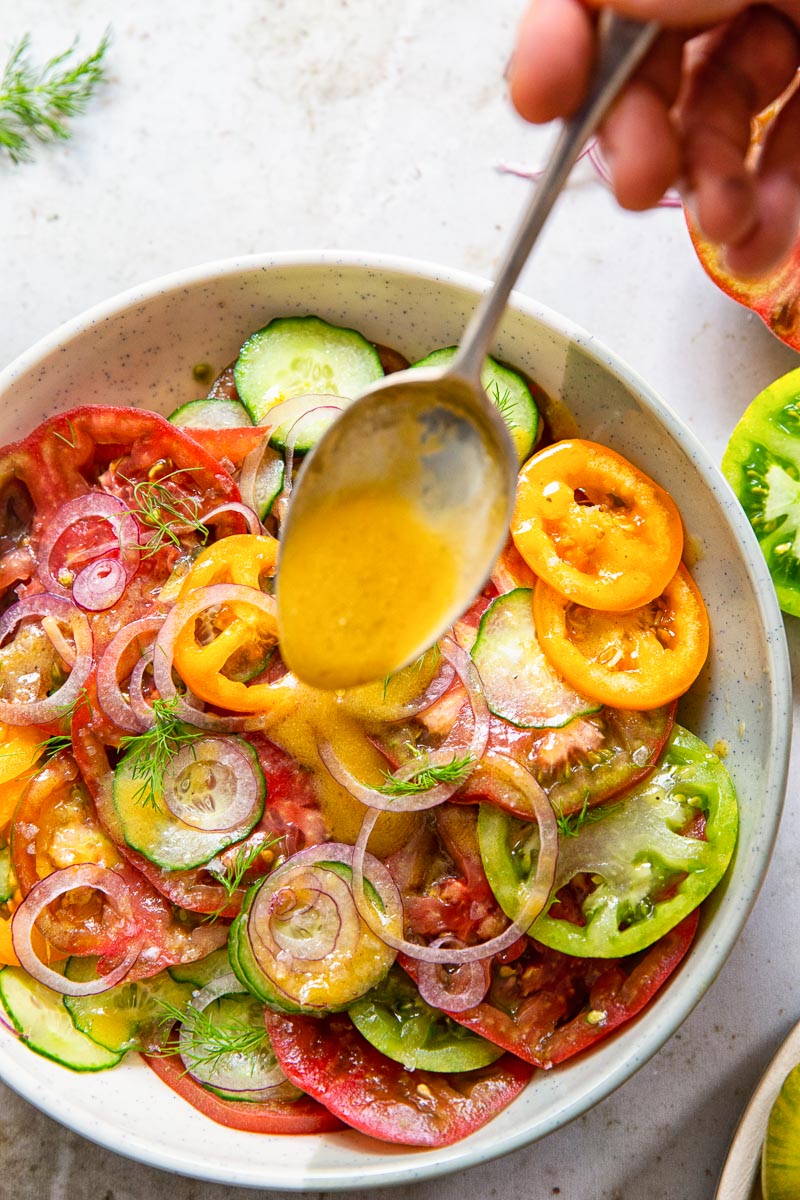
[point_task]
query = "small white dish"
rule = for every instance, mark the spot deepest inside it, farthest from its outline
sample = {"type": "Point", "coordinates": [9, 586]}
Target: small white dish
{"type": "Point", "coordinates": [140, 349]}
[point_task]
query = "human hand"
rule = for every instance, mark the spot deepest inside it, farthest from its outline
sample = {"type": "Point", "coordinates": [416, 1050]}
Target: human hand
{"type": "Point", "coordinates": [685, 118]}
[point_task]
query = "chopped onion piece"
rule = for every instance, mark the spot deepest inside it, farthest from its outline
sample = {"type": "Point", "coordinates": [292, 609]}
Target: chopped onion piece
{"type": "Point", "coordinates": [535, 901]}
{"type": "Point", "coordinates": [473, 750]}
{"type": "Point", "coordinates": [211, 785]}
{"type": "Point", "coordinates": [457, 989]}
{"type": "Point", "coordinates": [100, 585]}
{"type": "Point", "coordinates": [103, 507]}
{"type": "Point", "coordinates": [244, 510]}
{"type": "Point", "coordinates": [109, 693]}
{"type": "Point", "coordinates": [43, 894]}
{"type": "Point", "coordinates": [39, 712]}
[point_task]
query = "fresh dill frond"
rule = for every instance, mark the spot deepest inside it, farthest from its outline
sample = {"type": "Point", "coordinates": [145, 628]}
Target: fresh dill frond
{"type": "Point", "coordinates": [570, 824]}
{"type": "Point", "coordinates": [505, 403]}
{"type": "Point", "coordinates": [35, 102]}
{"type": "Point", "coordinates": [148, 755]}
{"type": "Point", "coordinates": [427, 777]}
{"type": "Point", "coordinates": [159, 508]}
{"type": "Point", "coordinates": [208, 1042]}
{"type": "Point", "coordinates": [231, 876]}
{"type": "Point", "coordinates": [57, 742]}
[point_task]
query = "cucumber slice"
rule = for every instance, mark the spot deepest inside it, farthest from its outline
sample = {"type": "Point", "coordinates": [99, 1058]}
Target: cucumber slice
{"type": "Point", "coordinates": [236, 1020]}
{"type": "Point", "coordinates": [518, 681]}
{"type": "Point", "coordinates": [203, 970]}
{"type": "Point", "coordinates": [129, 1016]}
{"type": "Point", "coordinates": [45, 1025]}
{"type": "Point", "coordinates": [247, 970]}
{"type": "Point", "coordinates": [508, 391]}
{"type": "Point", "coordinates": [163, 838]}
{"type": "Point", "coordinates": [269, 482]}
{"type": "Point", "coordinates": [211, 413]}
{"type": "Point", "coordinates": [395, 1019]}
{"type": "Point", "coordinates": [7, 880]}
{"type": "Point", "coordinates": [299, 356]}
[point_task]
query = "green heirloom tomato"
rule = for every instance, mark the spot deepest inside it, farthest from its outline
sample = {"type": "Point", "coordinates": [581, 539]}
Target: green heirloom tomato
{"type": "Point", "coordinates": [632, 869]}
{"type": "Point", "coordinates": [762, 465]}
{"type": "Point", "coordinates": [395, 1019]}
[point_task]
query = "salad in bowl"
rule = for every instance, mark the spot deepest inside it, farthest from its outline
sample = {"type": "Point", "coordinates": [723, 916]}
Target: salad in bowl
{"type": "Point", "coordinates": [405, 925]}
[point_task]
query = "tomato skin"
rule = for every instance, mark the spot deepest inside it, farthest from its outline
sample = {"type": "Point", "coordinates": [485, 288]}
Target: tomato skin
{"type": "Point", "coordinates": [639, 659]}
{"type": "Point", "coordinates": [330, 1060]}
{"type": "Point", "coordinates": [300, 1116]}
{"type": "Point", "coordinates": [541, 1004]}
{"type": "Point", "coordinates": [762, 464]}
{"type": "Point", "coordinates": [595, 527]}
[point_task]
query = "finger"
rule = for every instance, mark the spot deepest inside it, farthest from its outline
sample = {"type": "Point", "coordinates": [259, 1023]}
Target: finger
{"type": "Point", "coordinates": [689, 14]}
{"type": "Point", "coordinates": [777, 197]}
{"type": "Point", "coordinates": [639, 141]}
{"type": "Point", "coordinates": [737, 73]}
{"type": "Point", "coordinates": [552, 59]}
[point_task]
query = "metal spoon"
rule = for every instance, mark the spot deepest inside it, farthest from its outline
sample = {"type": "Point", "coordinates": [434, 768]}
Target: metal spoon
{"type": "Point", "coordinates": [433, 436]}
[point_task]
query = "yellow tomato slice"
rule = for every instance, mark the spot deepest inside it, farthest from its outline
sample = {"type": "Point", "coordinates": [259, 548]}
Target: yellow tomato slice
{"type": "Point", "coordinates": [20, 746]}
{"type": "Point", "coordinates": [639, 659]}
{"type": "Point", "coordinates": [242, 558]}
{"type": "Point", "coordinates": [595, 527]}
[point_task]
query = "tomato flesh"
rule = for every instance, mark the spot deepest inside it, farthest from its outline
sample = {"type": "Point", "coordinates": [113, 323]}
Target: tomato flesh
{"type": "Point", "coordinates": [330, 1060]}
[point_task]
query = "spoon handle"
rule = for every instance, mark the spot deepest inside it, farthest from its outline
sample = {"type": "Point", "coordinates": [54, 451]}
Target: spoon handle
{"type": "Point", "coordinates": [623, 44]}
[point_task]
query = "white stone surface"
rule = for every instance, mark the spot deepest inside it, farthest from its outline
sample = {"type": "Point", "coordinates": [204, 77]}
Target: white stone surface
{"type": "Point", "coordinates": [300, 124]}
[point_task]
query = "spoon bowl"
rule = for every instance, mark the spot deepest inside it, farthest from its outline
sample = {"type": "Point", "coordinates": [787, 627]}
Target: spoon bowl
{"type": "Point", "coordinates": [423, 451]}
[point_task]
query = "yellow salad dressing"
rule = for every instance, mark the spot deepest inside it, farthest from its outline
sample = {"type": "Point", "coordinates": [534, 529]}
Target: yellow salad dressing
{"type": "Point", "coordinates": [351, 604]}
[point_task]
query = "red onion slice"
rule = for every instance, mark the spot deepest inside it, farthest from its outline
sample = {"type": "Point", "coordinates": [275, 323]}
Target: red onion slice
{"type": "Point", "coordinates": [457, 989]}
{"type": "Point", "coordinates": [473, 749]}
{"type": "Point", "coordinates": [211, 785]}
{"type": "Point", "coordinates": [251, 518]}
{"type": "Point", "coordinates": [100, 585]}
{"type": "Point", "coordinates": [186, 610]}
{"type": "Point", "coordinates": [97, 505]}
{"type": "Point", "coordinates": [535, 901]}
{"type": "Point", "coordinates": [39, 712]}
{"type": "Point", "coordinates": [109, 693]}
{"type": "Point", "coordinates": [43, 894]}
{"type": "Point", "coordinates": [265, 1077]}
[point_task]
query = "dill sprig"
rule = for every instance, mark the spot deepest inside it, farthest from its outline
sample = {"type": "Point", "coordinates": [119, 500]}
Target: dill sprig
{"type": "Point", "coordinates": [57, 742]}
{"type": "Point", "coordinates": [570, 824]}
{"type": "Point", "coordinates": [505, 403]}
{"type": "Point", "coordinates": [231, 876]}
{"type": "Point", "coordinates": [156, 506]}
{"type": "Point", "coordinates": [149, 754]}
{"type": "Point", "coordinates": [209, 1043]}
{"type": "Point", "coordinates": [36, 101]}
{"type": "Point", "coordinates": [427, 776]}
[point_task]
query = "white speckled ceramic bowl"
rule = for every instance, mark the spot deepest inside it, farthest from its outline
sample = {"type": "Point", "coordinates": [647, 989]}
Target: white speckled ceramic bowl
{"type": "Point", "coordinates": [140, 349]}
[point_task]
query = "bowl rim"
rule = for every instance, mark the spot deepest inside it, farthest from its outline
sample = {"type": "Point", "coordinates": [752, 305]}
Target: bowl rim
{"type": "Point", "coordinates": [676, 1004]}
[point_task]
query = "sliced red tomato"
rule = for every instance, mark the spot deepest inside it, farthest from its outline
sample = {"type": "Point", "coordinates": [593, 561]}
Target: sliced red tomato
{"type": "Point", "coordinates": [595, 527]}
{"type": "Point", "coordinates": [231, 444]}
{"type": "Point", "coordinates": [331, 1061]}
{"type": "Point", "coordinates": [269, 1116]}
{"type": "Point", "coordinates": [546, 1006]}
{"type": "Point", "coordinates": [639, 659]}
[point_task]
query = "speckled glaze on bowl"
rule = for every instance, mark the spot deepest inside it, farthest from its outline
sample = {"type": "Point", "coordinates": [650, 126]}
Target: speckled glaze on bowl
{"type": "Point", "coordinates": [140, 349]}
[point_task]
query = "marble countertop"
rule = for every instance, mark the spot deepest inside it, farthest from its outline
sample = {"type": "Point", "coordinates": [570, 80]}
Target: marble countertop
{"type": "Point", "coordinates": [272, 125]}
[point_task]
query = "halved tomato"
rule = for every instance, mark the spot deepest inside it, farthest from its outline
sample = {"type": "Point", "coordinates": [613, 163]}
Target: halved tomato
{"type": "Point", "coordinates": [330, 1060]}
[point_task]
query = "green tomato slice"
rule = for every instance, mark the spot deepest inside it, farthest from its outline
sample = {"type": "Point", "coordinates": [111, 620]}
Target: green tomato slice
{"type": "Point", "coordinates": [762, 465]}
{"type": "Point", "coordinates": [632, 868]}
{"type": "Point", "coordinates": [395, 1019]}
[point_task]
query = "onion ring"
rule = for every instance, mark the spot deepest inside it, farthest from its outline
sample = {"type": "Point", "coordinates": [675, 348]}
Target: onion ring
{"type": "Point", "coordinates": [39, 712]}
{"type": "Point", "coordinates": [43, 894]}
{"type": "Point", "coordinates": [109, 694]}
